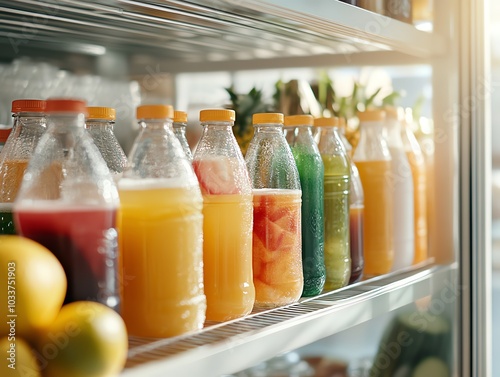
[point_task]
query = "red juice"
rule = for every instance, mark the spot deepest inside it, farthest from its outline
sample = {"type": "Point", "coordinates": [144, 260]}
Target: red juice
{"type": "Point", "coordinates": [356, 220]}
{"type": "Point", "coordinates": [84, 240]}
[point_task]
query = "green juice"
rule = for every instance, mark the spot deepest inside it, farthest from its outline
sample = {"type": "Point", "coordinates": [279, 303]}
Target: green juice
{"type": "Point", "coordinates": [336, 200]}
{"type": "Point", "coordinates": [311, 170]}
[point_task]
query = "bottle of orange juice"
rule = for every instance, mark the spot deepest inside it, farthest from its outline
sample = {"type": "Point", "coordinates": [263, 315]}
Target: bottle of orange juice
{"type": "Point", "coordinates": [373, 159]}
{"type": "Point", "coordinates": [227, 218]}
{"type": "Point", "coordinates": [161, 232]}
{"type": "Point", "coordinates": [419, 173]}
{"type": "Point", "coordinates": [277, 242]}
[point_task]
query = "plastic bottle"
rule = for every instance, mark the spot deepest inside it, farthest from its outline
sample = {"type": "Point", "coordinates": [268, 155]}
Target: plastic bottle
{"type": "Point", "coordinates": [180, 124]}
{"type": "Point", "coordinates": [29, 125]}
{"type": "Point", "coordinates": [68, 202]}
{"type": "Point", "coordinates": [99, 124]}
{"type": "Point", "coordinates": [373, 159]}
{"type": "Point", "coordinates": [402, 191]}
{"type": "Point", "coordinates": [336, 186]}
{"type": "Point", "coordinates": [277, 245]}
{"type": "Point", "coordinates": [4, 135]}
{"type": "Point", "coordinates": [419, 174]}
{"type": "Point", "coordinates": [161, 232]}
{"type": "Point", "coordinates": [311, 173]}
{"type": "Point", "coordinates": [227, 218]}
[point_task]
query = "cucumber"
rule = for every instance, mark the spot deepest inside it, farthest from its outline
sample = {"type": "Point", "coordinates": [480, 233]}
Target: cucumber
{"type": "Point", "coordinates": [431, 367]}
{"type": "Point", "coordinates": [410, 338]}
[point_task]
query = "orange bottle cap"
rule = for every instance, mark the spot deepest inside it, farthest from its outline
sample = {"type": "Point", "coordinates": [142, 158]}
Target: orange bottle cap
{"type": "Point", "coordinates": [263, 118]}
{"type": "Point", "coordinates": [326, 122]}
{"type": "Point", "coordinates": [180, 116]}
{"type": "Point", "coordinates": [4, 134]}
{"type": "Point", "coordinates": [155, 112]}
{"type": "Point", "coordinates": [375, 115]}
{"type": "Point", "coordinates": [342, 122]}
{"type": "Point", "coordinates": [217, 115]}
{"type": "Point", "coordinates": [65, 105]}
{"type": "Point", "coordinates": [106, 113]}
{"type": "Point", "coordinates": [299, 120]}
{"type": "Point", "coordinates": [28, 106]}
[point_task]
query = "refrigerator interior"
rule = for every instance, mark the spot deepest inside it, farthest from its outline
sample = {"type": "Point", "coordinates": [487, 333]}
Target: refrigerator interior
{"type": "Point", "coordinates": [122, 53]}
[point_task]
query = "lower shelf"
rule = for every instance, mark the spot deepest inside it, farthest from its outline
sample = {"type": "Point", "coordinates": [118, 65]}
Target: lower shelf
{"type": "Point", "coordinates": [232, 346]}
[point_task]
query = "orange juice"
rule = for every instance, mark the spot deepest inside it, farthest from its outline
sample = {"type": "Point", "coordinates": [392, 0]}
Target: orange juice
{"type": "Point", "coordinates": [419, 174]}
{"type": "Point", "coordinates": [277, 247]}
{"type": "Point", "coordinates": [378, 226]}
{"type": "Point", "coordinates": [227, 256]}
{"type": "Point", "coordinates": [161, 258]}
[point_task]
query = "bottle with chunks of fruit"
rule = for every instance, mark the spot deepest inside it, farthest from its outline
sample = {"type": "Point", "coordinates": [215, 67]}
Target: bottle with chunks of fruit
{"type": "Point", "coordinates": [227, 218]}
{"type": "Point", "coordinates": [277, 197]}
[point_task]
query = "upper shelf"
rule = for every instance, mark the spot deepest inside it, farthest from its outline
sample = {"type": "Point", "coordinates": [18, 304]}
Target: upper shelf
{"type": "Point", "coordinates": [233, 346]}
{"type": "Point", "coordinates": [206, 31]}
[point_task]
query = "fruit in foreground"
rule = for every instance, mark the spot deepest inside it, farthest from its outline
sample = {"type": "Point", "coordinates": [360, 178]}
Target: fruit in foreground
{"type": "Point", "coordinates": [20, 358]}
{"type": "Point", "coordinates": [35, 286]}
{"type": "Point", "coordinates": [87, 339]}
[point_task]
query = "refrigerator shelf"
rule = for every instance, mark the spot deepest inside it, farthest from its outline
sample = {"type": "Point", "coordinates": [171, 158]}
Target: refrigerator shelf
{"type": "Point", "coordinates": [201, 35]}
{"type": "Point", "coordinates": [235, 345]}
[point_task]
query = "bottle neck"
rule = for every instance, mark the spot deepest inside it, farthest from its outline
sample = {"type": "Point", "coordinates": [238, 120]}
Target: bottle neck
{"type": "Point", "coordinates": [217, 126]}
{"type": "Point", "coordinates": [29, 120]}
{"type": "Point", "coordinates": [96, 124]}
{"type": "Point", "coordinates": [179, 126]}
{"type": "Point", "coordinates": [63, 121]}
{"type": "Point", "coordinates": [269, 128]}
{"type": "Point", "coordinates": [156, 124]}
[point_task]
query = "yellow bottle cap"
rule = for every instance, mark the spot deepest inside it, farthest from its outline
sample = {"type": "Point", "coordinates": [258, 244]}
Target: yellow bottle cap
{"type": "Point", "coordinates": [375, 115]}
{"type": "Point", "coordinates": [326, 122]}
{"type": "Point", "coordinates": [263, 118]}
{"type": "Point", "coordinates": [180, 116]}
{"type": "Point", "coordinates": [155, 112]}
{"type": "Point", "coordinates": [299, 120]}
{"type": "Point", "coordinates": [106, 113]}
{"type": "Point", "coordinates": [217, 115]}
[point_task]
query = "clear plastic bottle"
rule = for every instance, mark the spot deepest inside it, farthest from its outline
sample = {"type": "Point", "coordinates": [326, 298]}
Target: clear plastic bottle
{"type": "Point", "coordinates": [337, 183]}
{"type": "Point", "coordinates": [68, 202]}
{"type": "Point", "coordinates": [277, 245]}
{"type": "Point", "coordinates": [419, 174]}
{"type": "Point", "coordinates": [373, 159]}
{"type": "Point", "coordinates": [180, 124]}
{"type": "Point", "coordinates": [311, 173]}
{"type": "Point", "coordinates": [402, 191]}
{"type": "Point", "coordinates": [161, 232]}
{"type": "Point", "coordinates": [227, 218]}
{"type": "Point", "coordinates": [99, 124]}
{"type": "Point", "coordinates": [29, 125]}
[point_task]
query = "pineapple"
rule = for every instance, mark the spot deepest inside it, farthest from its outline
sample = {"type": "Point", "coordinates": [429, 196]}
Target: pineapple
{"type": "Point", "coordinates": [245, 105]}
